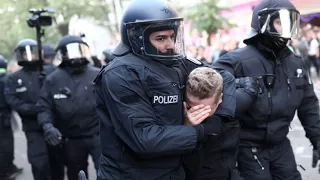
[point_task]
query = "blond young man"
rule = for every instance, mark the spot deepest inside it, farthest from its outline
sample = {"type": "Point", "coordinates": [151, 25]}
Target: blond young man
{"type": "Point", "coordinates": [202, 97]}
{"type": "Point", "coordinates": [203, 89]}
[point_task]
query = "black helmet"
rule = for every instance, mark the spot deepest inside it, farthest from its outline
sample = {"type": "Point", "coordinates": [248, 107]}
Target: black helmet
{"type": "Point", "coordinates": [73, 51]}
{"type": "Point", "coordinates": [48, 51]}
{"type": "Point", "coordinates": [26, 51]}
{"type": "Point", "coordinates": [276, 18]}
{"type": "Point", "coordinates": [3, 65]}
{"type": "Point", "coordinates": [144, 17]}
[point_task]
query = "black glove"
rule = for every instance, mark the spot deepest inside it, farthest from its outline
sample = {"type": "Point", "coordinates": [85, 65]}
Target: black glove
{"type": "Point", "coordinates": [51, 134]}
{"type": "Point", "coordinates": [316, 152]}
{"type": "Point", "coordinates": [249, 84]}
{"type": "Point", "coordinates": [211, 126]}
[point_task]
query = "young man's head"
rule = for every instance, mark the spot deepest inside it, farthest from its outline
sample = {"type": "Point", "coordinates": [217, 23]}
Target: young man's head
{"type": "Point", "coordinates": [204, 86]}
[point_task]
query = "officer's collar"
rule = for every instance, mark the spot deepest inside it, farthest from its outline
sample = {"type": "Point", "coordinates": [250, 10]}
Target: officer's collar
{"type": "Point", "coordinates": [270, 54]}
{"type": "Point", "coordinates": [121, 49]}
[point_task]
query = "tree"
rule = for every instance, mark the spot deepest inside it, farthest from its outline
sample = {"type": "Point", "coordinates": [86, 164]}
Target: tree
{"type": "Point", "coordinates": [205, 16]}
{"type": "Point", "coordinates": [15, 12]}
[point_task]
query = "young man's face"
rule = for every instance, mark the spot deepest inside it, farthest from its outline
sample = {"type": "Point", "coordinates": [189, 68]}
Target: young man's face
{"type": "Point", "coordinates": [211, 101]}
{"type": "Point", "coordinates": [163, 41]}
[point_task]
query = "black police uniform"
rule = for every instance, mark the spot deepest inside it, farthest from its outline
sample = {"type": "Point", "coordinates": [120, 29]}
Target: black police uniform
{"type": "Point", "coordinates": [265, 152]}
{"type": "Point", "coordinates": [22, 91]}
{"type": "Point", "coordinates": [6, 135]}
{"type": "Point", "coordinates": [67, 101]}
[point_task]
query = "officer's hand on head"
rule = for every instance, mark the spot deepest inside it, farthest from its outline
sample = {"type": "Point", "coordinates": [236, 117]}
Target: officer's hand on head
{"type": "Point", "coordinates": [316, 152]}
{"type": "Point", "coordinates": [52, 135]}
{"type": "Point", "coordinates": [249, 84]}
{"type": "Point", "coordinates": [196, 114]}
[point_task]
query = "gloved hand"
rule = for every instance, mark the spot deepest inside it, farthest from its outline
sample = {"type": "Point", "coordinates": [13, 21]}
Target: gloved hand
{"type": "Point", "coordinates": [249, 84]}
{"type": "Point", "coordinates": [51, 134]}
{"type": "Point", "coordinates": [316, 152]}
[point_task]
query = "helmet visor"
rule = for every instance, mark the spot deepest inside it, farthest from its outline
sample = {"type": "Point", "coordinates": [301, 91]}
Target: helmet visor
{"type": "Point", "coordinates": [73, 51]}
{"type": "Point", "coordinates": [27, 53]}
{"type": "Point", "coordinates": [164, 39]}
{"type": "Point", "coordinates": [281, 22]}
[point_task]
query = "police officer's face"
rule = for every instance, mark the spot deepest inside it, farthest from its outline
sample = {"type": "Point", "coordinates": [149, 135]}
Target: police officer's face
{"type": "Point", "coordinates": [277, 25]}
{"type": "Point", "coordinates": [192, 101]}
{"type": "Point", "coordinates": [163, 41]}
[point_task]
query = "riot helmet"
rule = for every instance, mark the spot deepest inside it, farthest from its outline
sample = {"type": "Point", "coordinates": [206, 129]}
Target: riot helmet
{"type": "Point", "coordinates": [278, 20]}
{"type": "Point", "coordinates": [26, 52]}
{"type": "Point", "coordinates": [73, 51]}
{"type": "Point", "coordinates": [152, 29]}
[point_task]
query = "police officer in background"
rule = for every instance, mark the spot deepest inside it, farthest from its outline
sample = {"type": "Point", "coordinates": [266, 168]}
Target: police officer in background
{"type": "Point", "coordinates": [140, 98]}
{"type": "Point", "coordinates": [265, 152]}
{"type": "Point", "coordinates": [22, 92]}
{"type": "Point", "coordinates": [8, 170]}
{"type": "Point", "coordinates": [67, 106]}
{"type": "Point", "coordinates": [48, 57]}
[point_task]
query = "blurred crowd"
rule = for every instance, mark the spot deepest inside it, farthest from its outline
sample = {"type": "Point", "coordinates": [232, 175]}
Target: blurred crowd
{"type": "Point", "coordinates": [208, 51]}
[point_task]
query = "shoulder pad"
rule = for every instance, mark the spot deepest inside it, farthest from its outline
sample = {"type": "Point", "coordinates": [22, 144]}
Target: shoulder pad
{"type": "Point", "coordinates": [98, 78]}
{"type": "Point", "coordinates": [194, 60]}
{"type": "Point", "coordinates": [296, 55]}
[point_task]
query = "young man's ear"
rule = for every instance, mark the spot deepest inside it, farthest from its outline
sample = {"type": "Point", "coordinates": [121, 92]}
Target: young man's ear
{"type": "Point", "coordinates": [220, 99]}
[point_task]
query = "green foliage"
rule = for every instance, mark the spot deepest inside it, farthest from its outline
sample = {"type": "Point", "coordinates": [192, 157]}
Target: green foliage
{"type": "Point", "coordinates": [205, 16]}
{"type": "Point", "coordinates": [13, 13]}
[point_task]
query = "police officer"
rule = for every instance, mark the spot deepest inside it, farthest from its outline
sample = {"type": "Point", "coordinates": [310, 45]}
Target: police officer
{"type": "Point", "coordinates": [67, 104]}
{"type": "Point", "coordinates": [48, 57]}
{"type": "Point", "coordinates": [265, 152]}
{"type": "Point", "coordinates": [22, 91]}
{"type": "Point", "coordinates": [8, 170]}
{"type": "Point", "coordinates": [140, 98]}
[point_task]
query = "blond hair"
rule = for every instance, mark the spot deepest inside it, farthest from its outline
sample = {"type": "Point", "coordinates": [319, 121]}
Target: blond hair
{"type": "Point", "coordinates": [204, 82]}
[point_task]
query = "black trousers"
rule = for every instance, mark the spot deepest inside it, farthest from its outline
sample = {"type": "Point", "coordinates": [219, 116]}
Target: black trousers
{"type": "Point", "coordinates": [270, 163]}
{"type": "Point", "coordinates": [38, 155]}
{"type": "Point", "coordinates": [57, 160]}
{"type": "Point", "coordinates": [77, 153]}
{"type": "Point", "coordinates": [6, 149]}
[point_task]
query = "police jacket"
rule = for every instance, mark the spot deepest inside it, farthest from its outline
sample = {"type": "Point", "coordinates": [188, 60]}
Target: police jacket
{"type": "Point", "coordinates": [5, 110]}
{"type": "Point", "coordinates": [267, 121]}
{"type": "Point", "coordinates": [140, 105]}
{"type": "Point", "coordinates": [67, 101]}
{"type": "Point", "coordinates": [22, 92]}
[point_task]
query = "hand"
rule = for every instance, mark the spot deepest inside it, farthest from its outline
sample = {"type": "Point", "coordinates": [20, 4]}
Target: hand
{"type": "Point", "coordinates": [316, 154]}
{"type": "Point", "coordinates": [249, 84]}
{"type": "Point", "coordinates": [196, 114]}
{"type": "Point", "coordinates": [52, 135]}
